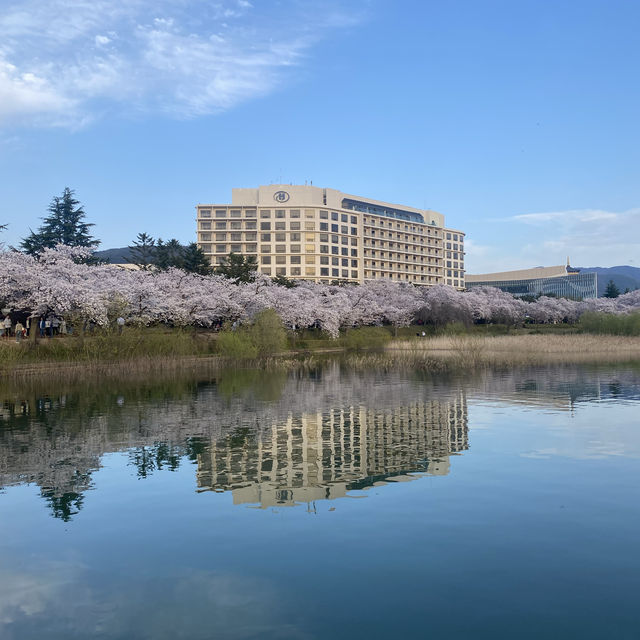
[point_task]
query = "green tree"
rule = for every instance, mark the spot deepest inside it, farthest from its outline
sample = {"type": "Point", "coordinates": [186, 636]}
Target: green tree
{"type": "Point", "coordinates": [169, 254]}
{"type": "Point", "coordinates": [194, 260]}
{"type": "Point", "coordinates": [611, 291]}
{"type": "Point", "coordinates": [64, 225]}
{"type": "Point", "coordinates": [143, 251]}
{"type": "Point", "coordinates": [283, 281]}
{"type": "Point", "coordinates": [238, 267]}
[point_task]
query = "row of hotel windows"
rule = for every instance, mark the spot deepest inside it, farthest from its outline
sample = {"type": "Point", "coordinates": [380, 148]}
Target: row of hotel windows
{"type": "Point", "coordinates": [279, 213]}
{"type": "Point", "coordinates": [382, 222]}
{"type": "Point", "coordinates": [279, 237]}
{"type": "Point", "coordinates": [311, 272]}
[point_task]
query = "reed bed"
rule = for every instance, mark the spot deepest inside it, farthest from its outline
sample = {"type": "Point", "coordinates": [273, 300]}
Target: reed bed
{"type": "Point", "coordinates": [470, 351]}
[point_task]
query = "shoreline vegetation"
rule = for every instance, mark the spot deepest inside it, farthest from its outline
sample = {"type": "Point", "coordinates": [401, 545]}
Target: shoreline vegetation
{"type": "Point", "coordinates": [267, 344]}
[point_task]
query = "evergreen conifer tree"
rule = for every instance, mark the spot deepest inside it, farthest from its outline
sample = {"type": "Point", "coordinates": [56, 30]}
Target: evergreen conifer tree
{"type": "Point", "coordinates": [64, 225]}
{"type": "Point", "coordinates": [611, 291]}
{"type": "Point", "coordinates": [238, 267]}
{"type": "Point", "coordinates": [194, 260]}
{"type": "Point", "coordinates": [143, 251]}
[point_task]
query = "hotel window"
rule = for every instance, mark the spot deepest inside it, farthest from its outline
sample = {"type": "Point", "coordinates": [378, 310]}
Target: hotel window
{"type": "Point", "coordinates": [265, 259]}
{"type": "Point", "coordinates": [265, 248]}
{"type": "Point", "coordinates": [281, 271]}
{"type": "Point", "coordinates": [354, 274]}
{"type": "Point", "coordinates": [354, 220]}
{"type": "Point", "coordinates": [345, 273]}
{"type": "Point", "coordinates": [334, 250]}
{"type": "Point", "coordinates": [295, 271]}
{"type": "Point", "coordinates": [205, 213]}
{"type": "Point", "coordinates": [294, 226]}
{"type": "Point", "coordinates": [294, 260]}
{"type": "Point", "coordinates": [265, 226]}
{"type": "Point", "coordinates": [334, 215]}
{"type": "Point", "coordinates": [310, 271]}
{"type": "Point", "coordinates": [265, 213]}
{"type": "Point", "coordinates": [309, 259]}
{"type": "Point", "coordinates": [294, 237]}
{"type": "Point", "coordinates": [236, 248]}
{"type": "Point", "coordinates": [294, 213]}
{"type": "Point", "coordinates": [281, 237]}
{"type": "Point", "coordinates": [221, 225]}
{"type": "Point", "coordinates": [324, 271]}
{"type": "Point", "coordinates": [309, 248]}
{"type": "Point", "coordinates": [354, 252]}
{"type": "Point", "coordinates": [250, 225]}
{"type": "Point", "coordinates": [281, 248]}
{"type": "Point", "coordinates": [324, 260]}
{"type": "Point", "coordinates": [335, 262]}
{"type": "Point", "coordinates": [344, 240]}
{"type": "Point", "coordinates": [344, 217]}
{"type": "Point", "coordinates": [334, 239]}
{"type": "Point", "coordinates": [295, 248]}
{"type": "Point", "coordinates": [206, 248]}
{"type": "Point", "coordinates": [324, 237]}
{"type": "Point", "coordinates": [354, 231]}
{"type": "Point", "coordinates": [281, 259]}
{"type": "Point", "coordinates": [265, 237]}
{"type": "Point", "coordinates": [354, 242]}
{"type": "Point", "coordinates": [344, 251]}
{"type": "Point", "coordinates": [324, 215]}
{"type": "Point", "coordinates": [235, 213]}
{"type": "Point", "coordinates": [236, 224]}
{"type": "Point", "coordinates": [250, 236]}
{"type": "Point", "coordinates": [266, 271]}
{"type": "Point", "coordinates": [250, 213]}
{"type": "Point", "coordinates": [252, 248]}
{"type": "Point", "coordinates": [324, 226]}
{"type": "Point", "coordinates": [206, 225]}
{"type": "Point", "coordinates": [309, 213]}
{"type": "Point", "coordinates": [324, 248]}
{"type": "Point", "coordinates": [345, 262]}
{"type": "Point", "coordinates": [334, 228]}
{"type": "Point", "coordinates": [280, 226]}
{"type": "Point", "coordinates": [354, 263]}
{"type": "Point", "coordinates": [221, 213]}
{"type": "Point", "coordinates": [309, 226]}
{"type": "Point", "coordinates": [335, 272]}
{"type": "Point", "coordinates": [221, 248]}
{"type": "Point", "coordinates": [279, 213]}
{"type": "Point", "coordinates": [205, 236]}
{"type": "Point", "coordinates": [236, 237]}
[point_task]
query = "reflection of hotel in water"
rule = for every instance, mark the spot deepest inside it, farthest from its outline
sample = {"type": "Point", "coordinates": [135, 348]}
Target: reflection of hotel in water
{"type": "Point", "coordinates": [323, 455]}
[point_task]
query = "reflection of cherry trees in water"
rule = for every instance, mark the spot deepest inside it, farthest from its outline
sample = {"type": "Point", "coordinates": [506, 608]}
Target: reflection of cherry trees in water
{"type": "Point", "coordinates": [100, 293]}
{"type": "Point", "coordinates": [58, 441]}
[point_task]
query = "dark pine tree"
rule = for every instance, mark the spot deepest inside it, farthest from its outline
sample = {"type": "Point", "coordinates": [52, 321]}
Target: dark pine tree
{"type": "Point", "coordinates": [169, 254]}
{"type": "Point", "coordinates": [143, 251]}
{"type": "Point", "coordinates": [611, 291]}
{"type": "Point", "coordinates": [238, 267]}
{"type": "Point", "coordinates": [194, 260]}
{"type": "Point", "coordinates": [64, 225]}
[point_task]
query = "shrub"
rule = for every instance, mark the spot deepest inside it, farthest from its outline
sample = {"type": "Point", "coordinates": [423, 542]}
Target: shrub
{"type": "Point", "coordinates": [608, 323]}
{"type": "Point", "coordinates": [236, 344]}
{"type": "Point", "coordinates": [267, 333]}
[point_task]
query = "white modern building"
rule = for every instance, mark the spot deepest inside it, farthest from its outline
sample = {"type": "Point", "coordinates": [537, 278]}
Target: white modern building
{"type": "Point", "coordinates": [308, 232]}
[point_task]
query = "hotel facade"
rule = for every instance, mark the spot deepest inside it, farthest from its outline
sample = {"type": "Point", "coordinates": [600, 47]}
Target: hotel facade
{"type": "Point", "coordinates": [307, 232]}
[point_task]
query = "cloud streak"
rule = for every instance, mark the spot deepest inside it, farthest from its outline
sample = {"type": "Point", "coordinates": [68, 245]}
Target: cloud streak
{"type": "Point", "coordinates": [63, 62]}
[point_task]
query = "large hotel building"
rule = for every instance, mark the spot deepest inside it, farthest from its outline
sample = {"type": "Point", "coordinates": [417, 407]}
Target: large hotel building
{"type": "Point", "coordinates": [307, 232]}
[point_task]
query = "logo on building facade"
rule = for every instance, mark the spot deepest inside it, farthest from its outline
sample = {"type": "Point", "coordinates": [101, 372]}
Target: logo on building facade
{"type": "Point", "coordinates": [280, 196]}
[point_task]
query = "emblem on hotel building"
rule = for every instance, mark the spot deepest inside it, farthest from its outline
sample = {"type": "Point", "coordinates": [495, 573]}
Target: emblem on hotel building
{"type": "Point", "coordinates": [280, 196]}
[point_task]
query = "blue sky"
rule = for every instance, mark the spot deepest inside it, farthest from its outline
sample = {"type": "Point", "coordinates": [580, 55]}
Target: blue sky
{"type": "Point", "coordinates": [516, 120]}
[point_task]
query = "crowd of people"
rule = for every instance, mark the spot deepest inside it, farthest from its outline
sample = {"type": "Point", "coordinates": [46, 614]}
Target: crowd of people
{"type": "Point", "coordinates": [48, 327]}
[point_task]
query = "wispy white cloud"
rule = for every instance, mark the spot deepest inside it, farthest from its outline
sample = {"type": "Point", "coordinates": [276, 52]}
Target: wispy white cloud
{"type": "Point", "coordinates": [64, 61]}
{"type": "Point", "coordinates": [589, 237]}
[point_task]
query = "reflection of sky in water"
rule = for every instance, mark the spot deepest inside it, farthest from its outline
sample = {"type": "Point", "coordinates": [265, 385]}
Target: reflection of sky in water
{"type": "Point", "coordinates": [522, 515]}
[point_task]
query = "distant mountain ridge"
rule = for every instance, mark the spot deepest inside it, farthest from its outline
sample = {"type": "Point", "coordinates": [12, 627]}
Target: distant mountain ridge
{"type": "Point", "coordinates": [623, 276]}
{"type": "Point", "coordinates": [115, 256]}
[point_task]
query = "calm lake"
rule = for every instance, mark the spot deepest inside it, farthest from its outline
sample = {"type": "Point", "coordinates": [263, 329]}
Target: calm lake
{"type": "Point", "coordinates": [328, 503]}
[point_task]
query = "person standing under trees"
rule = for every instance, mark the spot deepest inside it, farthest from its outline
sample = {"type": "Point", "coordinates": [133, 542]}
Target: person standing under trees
{"type": "Point", "coordinates": [120, 322]}
{"type": "Point", "coordinates": [42, 325]}
{"type": "Point", "coordinates": [7, 326]}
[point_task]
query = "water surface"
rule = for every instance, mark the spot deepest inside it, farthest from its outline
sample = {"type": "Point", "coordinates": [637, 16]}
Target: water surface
{"type": "Point", "coordinates": [329, 503]}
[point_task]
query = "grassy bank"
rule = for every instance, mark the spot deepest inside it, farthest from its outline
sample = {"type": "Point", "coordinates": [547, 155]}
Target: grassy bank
{"type": "Point", "coordinates": [472, 351]}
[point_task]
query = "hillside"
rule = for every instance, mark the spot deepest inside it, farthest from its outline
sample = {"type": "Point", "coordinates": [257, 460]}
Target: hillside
{"type": "Point", "coordinates": [623, 276]}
